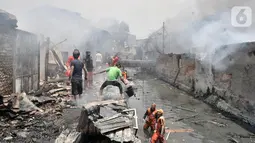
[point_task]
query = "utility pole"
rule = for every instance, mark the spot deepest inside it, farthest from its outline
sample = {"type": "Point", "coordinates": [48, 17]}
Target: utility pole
{"type": "Point", "coordinates": [47, 59]}
{"type": "Point", "coordinates": [163, 36]}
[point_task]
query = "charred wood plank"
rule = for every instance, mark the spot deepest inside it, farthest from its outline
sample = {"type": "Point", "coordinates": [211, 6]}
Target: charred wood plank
{"type": "Point", "coordinates": [57, 90]}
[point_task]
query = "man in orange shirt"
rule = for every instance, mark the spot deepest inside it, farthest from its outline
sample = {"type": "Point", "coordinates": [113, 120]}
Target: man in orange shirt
{"type": "Point", "coordinates": [159, 132]}
{"type": "Point", "coordinates": [151, 119]}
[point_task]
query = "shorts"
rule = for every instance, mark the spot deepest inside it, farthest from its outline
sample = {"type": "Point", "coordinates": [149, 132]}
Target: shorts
{"type": "Point", "coordinates": [113, 83]}
{"type": "Point", "coordinates": [90, 76]}
{"type": "Point", "coordinates": [76, 86]}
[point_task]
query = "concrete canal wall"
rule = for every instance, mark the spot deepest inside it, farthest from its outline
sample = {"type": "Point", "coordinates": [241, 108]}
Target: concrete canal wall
{"type": "Point", "coordinates": [230, 90]}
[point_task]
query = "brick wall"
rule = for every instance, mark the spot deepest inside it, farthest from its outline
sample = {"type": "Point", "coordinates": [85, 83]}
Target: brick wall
{"type": "Point", "coordinates": [236, 84]}
{"type": "Point", "coordinates": [18, 57]}
{"type": "Point", "coordinates": [7, 43]}
{"type": "Point", "coordinates": [169, 65]}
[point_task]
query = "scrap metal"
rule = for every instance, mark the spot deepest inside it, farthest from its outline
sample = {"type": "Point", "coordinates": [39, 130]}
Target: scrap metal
{"type": "Point", "coordinates": [108, 118]}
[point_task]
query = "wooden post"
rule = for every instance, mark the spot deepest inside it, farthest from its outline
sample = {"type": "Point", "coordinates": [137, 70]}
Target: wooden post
{"type": "Point", "coordinates": [47, 58]}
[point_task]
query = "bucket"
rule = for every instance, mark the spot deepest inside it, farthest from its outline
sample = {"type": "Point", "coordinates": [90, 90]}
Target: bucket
{"type": "Point", "coordinates": [130, 91]}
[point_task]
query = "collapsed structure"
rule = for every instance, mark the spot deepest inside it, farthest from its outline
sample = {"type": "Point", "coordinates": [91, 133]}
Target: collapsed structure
{"type": "Point", "coordinates": [104, 122]}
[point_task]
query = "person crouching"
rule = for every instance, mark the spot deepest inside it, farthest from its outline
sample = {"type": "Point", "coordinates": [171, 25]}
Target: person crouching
{"type": "Point", "coordinates": [113, 74]}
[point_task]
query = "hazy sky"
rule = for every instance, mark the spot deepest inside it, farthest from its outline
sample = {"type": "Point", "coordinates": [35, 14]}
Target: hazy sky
{"type": "Point", "coordinates": [143, 16]}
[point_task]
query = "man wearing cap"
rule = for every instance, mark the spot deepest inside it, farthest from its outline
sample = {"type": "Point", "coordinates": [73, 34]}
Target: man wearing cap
{"type": "Point", "coordinates": [159, 132]}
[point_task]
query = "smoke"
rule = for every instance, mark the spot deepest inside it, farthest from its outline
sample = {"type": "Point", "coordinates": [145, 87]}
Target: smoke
{"type": "Point", "coordinates": [205, 28]}
{"type": "Point", "coordinates": [81, 33]}
{"type": "Point", "coordinates": [58, 24]}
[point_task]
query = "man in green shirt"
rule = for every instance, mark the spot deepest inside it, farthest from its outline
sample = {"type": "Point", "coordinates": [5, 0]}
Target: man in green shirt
{"type": "Point", "coordinates": [113, 73]}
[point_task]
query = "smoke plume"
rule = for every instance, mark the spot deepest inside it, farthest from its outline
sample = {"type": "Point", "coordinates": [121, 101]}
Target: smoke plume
{"type": "Point", "coordinates": [205, 28]}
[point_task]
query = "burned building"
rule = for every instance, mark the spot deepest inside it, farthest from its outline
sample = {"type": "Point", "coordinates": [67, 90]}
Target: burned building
{"type": "Point", "coordinates": [225, 80]}
{"type": "Point", "coordinates": [19, 52]}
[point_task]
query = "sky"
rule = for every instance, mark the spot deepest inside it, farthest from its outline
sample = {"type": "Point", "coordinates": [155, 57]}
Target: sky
{"type": "Point", "coordinates": [143, 16]}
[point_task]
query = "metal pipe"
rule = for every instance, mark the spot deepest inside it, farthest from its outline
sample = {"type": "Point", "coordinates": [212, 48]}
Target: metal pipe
{"type": "Point", "coordinates": [134, 116]}
{"type": "Point", "coordinates": [167, 134]}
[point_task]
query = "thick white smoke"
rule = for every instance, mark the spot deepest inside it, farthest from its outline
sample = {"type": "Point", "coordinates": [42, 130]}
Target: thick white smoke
{"type": "Point", "coordinates": [58, 24]}
{"type": "Point", "coordinates": [206, 28]}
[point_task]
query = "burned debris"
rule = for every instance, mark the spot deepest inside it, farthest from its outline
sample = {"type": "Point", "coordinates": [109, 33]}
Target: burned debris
{"type": "Point", "coordinates": [108, 121]}
{"type": "Point", "coordinates": [35, 115]}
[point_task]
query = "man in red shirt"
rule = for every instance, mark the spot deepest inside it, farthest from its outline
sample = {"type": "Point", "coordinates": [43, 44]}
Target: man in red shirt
{"type": "Point", "coordinates": [115, 60]}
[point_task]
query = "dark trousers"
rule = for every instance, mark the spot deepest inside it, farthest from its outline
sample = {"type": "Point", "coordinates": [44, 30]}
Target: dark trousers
{"type": "Point", "coordinates": [113, 83]}
{"type": "Point", "coordinates": [76, 86]}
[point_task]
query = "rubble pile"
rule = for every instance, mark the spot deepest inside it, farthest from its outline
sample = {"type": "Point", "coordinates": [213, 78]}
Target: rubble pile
{"type": "Point", "coordinates": [106, 118]}
{"type": "Point", "coordinates": [34, 117]}
{"type": "Point", "coordinates": [103, 122]}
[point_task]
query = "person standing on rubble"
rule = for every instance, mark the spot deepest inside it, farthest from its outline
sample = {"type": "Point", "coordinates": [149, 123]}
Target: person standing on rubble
{"type": "Point", "coordinates": [159, 132]}
{"type": "Point", "coordinates": [151, 119]}
{"type": "Point", "coordinates": [68, 65]}
{"type": "Point", "coordinates": [76, 74]}
{"type": "Point", "coordinates": [113, 74]}
{"type": "Point", "coordinates": [89, 65]}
